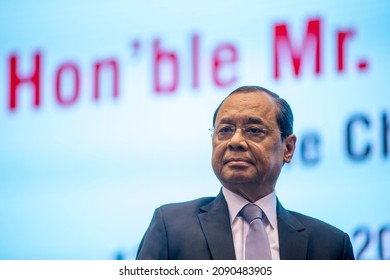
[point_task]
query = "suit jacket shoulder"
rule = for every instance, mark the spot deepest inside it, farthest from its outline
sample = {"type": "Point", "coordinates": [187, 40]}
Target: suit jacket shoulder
{"type": "Point", "coordinates": [304, 237]}
{"type": "Point", "coordinates": [197, 229]}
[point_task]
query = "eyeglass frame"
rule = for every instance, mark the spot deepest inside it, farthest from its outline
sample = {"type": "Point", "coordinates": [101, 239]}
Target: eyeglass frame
{"type": "Point", "coordinates": [244, 131]}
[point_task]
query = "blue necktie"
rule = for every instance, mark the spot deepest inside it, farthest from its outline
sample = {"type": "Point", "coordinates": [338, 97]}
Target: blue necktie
{"type": "Point", "coordinates": [257, 244]}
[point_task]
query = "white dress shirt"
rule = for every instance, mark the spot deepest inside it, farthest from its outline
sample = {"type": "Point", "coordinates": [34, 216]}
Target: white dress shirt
{"type": "Point", "coordinates": [240, 227]}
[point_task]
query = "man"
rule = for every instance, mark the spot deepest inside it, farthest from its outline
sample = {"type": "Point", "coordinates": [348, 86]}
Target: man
{"type": "Point", "coordinates": [252, 140]}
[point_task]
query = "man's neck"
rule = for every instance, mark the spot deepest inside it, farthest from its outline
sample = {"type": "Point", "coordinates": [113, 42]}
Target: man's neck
{"type": "Point", "coordinates": [251, 193]}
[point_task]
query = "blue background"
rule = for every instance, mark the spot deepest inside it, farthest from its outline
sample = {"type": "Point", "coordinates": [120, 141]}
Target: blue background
{"type": "Point", "coordinates": [82, 181]}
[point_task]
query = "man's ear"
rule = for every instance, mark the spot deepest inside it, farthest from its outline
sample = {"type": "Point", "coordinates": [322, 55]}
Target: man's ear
{"type": "Point", "coordinates": [289, 148]}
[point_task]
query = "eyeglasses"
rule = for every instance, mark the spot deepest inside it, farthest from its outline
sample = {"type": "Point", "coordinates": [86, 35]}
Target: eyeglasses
{"type": "Point", "coordinates": [225, 132]}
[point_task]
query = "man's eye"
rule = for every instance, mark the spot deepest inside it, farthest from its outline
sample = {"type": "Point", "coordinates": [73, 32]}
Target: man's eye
{"type": "Point", "coordinates": [226, 129]}
{"type": "Point", "coordinates": [255, 130]}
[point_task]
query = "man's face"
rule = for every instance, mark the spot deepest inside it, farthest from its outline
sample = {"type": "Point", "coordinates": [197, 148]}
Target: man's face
{"type": "Point", "coordinates": [248, 152]}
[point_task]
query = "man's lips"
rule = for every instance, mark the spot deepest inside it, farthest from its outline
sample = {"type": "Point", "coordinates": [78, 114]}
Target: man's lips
{"type": "Point", "coordinates": [237, 160]}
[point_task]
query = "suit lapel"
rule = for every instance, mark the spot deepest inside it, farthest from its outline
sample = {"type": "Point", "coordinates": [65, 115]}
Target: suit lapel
{"type": "Point", "coordinates": [215, 223]}
{"type": "Point", "coordinates": [293, 238]}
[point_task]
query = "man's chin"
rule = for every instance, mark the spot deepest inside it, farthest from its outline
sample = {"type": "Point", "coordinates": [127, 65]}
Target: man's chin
{"type": "Point", "coordinates": [236, 179]}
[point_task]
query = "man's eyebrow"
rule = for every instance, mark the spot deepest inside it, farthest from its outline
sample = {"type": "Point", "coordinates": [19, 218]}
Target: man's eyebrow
{"type": "Point", "coordinates": [250, 120]}
{"type": "Point", "coordinates": [227, 120]}
{"type": "Point", "coordinates": [253, 120]}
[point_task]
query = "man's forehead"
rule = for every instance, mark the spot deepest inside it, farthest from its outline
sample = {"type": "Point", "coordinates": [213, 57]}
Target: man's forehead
{"type": "Point", "coordinates": [248, 100]}
{"type": "Point", "coordinates": [251, 104]}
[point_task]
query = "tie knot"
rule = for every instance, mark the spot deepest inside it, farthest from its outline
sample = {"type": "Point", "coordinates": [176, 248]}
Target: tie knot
{"type": "Point", "coordinates": [250, 212]}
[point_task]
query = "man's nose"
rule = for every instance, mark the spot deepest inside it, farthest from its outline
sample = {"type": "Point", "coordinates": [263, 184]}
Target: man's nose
{"type": "Point", "coordinates": [238, 141]}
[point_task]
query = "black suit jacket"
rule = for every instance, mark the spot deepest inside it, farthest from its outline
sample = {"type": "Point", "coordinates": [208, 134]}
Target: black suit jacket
{"type": "Point", "coordinates": [200, 230]}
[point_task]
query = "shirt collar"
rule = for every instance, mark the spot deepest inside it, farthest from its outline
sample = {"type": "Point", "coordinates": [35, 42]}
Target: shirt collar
{"type": "Point", "coordinates": [235, 203]}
